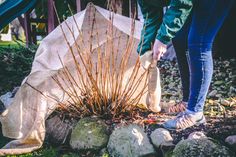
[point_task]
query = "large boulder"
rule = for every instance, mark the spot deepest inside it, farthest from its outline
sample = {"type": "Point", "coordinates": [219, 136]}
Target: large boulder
{"type": "Point", "coordinates": [200, 148]}
{"type": "Point", "coordinates": [129, 141]}
{"type": "Point", "coordinates": [58, 130]}
{"type": "Point", "coordinates": [89, 134]}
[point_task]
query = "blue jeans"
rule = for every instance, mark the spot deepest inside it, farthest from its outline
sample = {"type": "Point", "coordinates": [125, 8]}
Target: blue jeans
{"type": "Point", "coordinates": [193, 45]}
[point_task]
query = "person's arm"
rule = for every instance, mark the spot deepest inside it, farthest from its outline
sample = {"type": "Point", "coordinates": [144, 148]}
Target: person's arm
{"type": "Point", "coordinates": [174, 19]}
{"type": "Point", "coordinates": [152, 20]}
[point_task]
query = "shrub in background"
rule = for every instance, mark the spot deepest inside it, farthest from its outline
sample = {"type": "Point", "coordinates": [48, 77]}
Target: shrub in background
{"type": "Point", "coordinates": [15, 65]}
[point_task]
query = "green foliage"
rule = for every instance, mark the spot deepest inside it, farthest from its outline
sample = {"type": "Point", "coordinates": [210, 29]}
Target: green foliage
{"type": "Point", "coordinates": [62, 9]}
{"type": "Point", "coordinates": [105, 154]}
{"type": "Point", "coordinates": [5, 30]}
{"type": "Point", "coordinates": [15, 63]}
{"type": "Point", "coordinates": [61, 6]}
{"type": "Point", "coordinates": [8, 44]}
{"type": "Point", "coordinates": [49, 152]}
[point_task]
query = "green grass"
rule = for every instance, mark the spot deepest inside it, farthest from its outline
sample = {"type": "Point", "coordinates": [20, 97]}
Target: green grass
{"type": "Point", "coordinates": [11, 44]}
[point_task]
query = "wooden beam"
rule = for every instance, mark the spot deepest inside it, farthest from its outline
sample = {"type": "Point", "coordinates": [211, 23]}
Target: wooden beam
{"type": "Point", "coordinates": [51, 16]}
{"type": "Point", "coordinates": [78, 5]}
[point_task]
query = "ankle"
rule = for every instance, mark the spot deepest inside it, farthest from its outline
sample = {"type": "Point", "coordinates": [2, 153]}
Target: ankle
{"type": "Point", "coordinates": [194, 112]}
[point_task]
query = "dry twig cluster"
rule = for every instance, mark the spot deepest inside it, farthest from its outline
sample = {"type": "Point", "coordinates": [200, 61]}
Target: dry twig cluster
{"type": "Point", "coordinates": [99, 88]}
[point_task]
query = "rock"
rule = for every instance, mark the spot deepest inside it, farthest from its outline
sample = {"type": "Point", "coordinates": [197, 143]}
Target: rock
{"type": "Point", "coordinates": [6, 99]}
{"type": "Point", "coordinates": [129, 141]}
{"type": "Point", "coordinates": [225, 102]}
{"type": "Point", "coordinates": [57, 130]}
{"type": "Point", "coordinates": [171, 85]}
{"type": "Point", "coordinates": [89, 134]}
{"type": "Point", "coordinates": [200, 148]}
{"type": "Point", "coordinates": [218, 82]}
{"type": "Point", "coordinates": [212, 93]}
{"type": "Point", "coordinates": [197, 135]}
{"type": "Point", "coordinates": [231, 140]}
{"type": "Point", "coordinates": [161, 137]}
{"type": "Point", "coordinates": [232, 89]}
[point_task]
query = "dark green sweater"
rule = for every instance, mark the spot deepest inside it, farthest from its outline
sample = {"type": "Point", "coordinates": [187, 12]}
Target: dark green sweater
{"type": "Point", "coordinates": [157, 26]}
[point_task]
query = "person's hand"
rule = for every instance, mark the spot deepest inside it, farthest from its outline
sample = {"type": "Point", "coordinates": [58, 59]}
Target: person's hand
{"type": "Point", "coordinates": [158, 49]}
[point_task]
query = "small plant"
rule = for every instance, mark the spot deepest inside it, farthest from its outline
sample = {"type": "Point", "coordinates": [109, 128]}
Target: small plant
{"type": "Point", "coordinates": [97, 82]}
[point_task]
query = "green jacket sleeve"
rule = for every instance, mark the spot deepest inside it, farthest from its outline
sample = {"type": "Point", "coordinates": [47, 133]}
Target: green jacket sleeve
{"type": "Point", "coordinates": [152, 14]}
{"type": "Point", "coordinates": [174, 19]}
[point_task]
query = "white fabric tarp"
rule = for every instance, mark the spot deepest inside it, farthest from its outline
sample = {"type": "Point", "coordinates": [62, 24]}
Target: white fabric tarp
{"type": "Point", "coordinates": [25, 120]}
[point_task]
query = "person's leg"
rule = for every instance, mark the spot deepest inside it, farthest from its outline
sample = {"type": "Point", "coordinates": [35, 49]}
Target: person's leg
{"type": "Point", "coordinates": [180, 43]}
{"type": "Point", "coordinates": [208, 16]}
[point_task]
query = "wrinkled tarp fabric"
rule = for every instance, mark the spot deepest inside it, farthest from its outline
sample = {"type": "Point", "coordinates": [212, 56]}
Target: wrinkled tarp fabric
{"type": "Point", "coordinates": [26, 116]}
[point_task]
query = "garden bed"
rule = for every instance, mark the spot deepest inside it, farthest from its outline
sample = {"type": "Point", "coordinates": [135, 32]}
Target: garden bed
{"type": "Point", "coordinates": [219, 109]}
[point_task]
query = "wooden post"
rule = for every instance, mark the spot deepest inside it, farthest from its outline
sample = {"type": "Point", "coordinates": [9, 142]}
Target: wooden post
{"type": "Point", "coordinates": [27, 28]}
{"type": "Point", "coordinates": [133, 8]}
{"type": "Point", "coordinates": [51, 16]}
{"type": "Point", "coordinates": [78, 5]}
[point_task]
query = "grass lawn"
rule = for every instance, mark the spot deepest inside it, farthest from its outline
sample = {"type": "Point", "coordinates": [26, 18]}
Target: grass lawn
{"type": "Point", "coordinates": [11, 44]}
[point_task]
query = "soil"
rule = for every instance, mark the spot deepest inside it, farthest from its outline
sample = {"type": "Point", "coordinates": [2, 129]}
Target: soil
{"type": "Point", "coordinates": [216, 128]}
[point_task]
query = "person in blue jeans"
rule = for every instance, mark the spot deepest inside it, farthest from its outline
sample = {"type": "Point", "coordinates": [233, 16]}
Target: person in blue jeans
{"type": "Point", "coordinates": [193, 44]}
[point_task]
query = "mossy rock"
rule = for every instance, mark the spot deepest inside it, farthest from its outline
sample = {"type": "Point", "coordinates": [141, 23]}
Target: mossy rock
{"type": "Point", "coordinates": [89, 134]}
{"type": "Point", "coordinates": [130, 141]}
{"type": "Point", "coordinates": [200, 148]}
